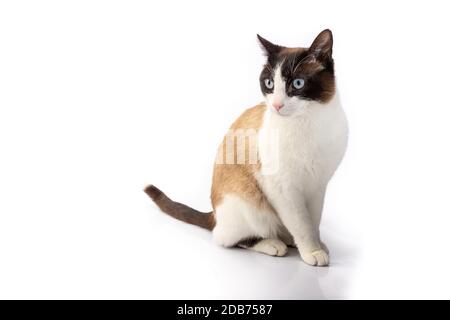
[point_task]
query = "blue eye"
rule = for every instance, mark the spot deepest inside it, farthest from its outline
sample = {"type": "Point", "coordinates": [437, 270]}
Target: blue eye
{"type": "Point", "coordinates": [268, 83]}
{"type": "Point", "coordinates": [298, 83]}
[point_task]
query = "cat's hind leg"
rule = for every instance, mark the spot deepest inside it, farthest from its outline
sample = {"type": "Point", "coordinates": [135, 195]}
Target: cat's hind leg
{"type": "Point", "coordinates": [239, 223]}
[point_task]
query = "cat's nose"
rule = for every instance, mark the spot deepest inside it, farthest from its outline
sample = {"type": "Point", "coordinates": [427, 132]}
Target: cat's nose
{"type": "Point", "coordinates": [278, 105]}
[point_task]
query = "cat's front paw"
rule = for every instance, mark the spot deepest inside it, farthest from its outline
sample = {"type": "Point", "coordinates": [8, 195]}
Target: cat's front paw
{"type": "Point", "coordinates": [316, 258]}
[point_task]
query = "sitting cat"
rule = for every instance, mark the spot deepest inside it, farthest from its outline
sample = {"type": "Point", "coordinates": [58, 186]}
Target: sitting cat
{"type": "Point", "coordinates": [273, 167]}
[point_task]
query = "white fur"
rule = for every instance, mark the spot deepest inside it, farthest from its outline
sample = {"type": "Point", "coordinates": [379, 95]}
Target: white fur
{"type": "Point", "coordinates": [237, 219]}
{"type": "Point", "coordinates": [272, 247]}
{"type": "Point", "coordinates": [312, 138]}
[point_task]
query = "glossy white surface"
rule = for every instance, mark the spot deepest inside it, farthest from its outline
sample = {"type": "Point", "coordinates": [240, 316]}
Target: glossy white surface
{"type": "Point", "coordinates": [200, 269]}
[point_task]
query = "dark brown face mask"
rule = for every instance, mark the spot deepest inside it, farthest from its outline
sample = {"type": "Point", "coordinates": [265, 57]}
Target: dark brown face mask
{"type": "Point", "coordinates": [308, 72]}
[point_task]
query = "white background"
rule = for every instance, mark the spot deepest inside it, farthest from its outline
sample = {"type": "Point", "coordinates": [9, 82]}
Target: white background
{"type": "Point", "coordinates": [99, 98]}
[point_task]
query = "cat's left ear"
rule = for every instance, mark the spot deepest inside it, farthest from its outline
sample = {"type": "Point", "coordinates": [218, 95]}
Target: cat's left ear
{"type": "Point", "coordinates": [322, 46]}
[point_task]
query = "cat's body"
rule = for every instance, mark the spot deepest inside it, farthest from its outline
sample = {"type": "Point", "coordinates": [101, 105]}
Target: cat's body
{"type": "Point", "coordinates": [301, 137]}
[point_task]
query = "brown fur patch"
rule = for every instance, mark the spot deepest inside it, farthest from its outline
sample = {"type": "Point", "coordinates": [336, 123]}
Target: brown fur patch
{"type": "Point", "coordinates": [235, 178]}
{"type": "Point", "coordinates": [285, 51]}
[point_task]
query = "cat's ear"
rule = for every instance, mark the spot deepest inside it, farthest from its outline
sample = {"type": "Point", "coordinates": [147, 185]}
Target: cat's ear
{"type": "Point", "coordinates": [322, 46]}
{"type": "Point", "coordinates": [268, 47]}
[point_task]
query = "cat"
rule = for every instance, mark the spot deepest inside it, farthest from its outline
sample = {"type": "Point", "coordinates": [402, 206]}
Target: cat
{"type": "Point", "coordinates": [301, 136]}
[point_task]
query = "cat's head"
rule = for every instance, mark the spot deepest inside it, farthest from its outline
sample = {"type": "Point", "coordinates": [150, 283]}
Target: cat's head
{"type": "Point", "coordinates": [294, 79]}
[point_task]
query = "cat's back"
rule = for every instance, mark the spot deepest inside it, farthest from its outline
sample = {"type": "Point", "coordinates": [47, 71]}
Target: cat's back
{"type": "Point", "coordinates": [252, 118]}
{"type": "Point", "coordinates": [236, 163]}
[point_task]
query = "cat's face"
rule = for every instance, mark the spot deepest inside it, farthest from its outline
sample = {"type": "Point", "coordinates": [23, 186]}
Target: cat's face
{"type": "Point", "coordinates": [293, 78]}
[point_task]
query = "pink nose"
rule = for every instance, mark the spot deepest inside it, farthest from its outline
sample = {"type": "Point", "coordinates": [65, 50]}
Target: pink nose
{"type": "Point", "coordinates": [278, 105]}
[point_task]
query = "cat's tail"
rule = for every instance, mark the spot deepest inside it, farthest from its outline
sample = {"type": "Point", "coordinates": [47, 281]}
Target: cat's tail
{"type": "Point", "coordinates": [180, 211]}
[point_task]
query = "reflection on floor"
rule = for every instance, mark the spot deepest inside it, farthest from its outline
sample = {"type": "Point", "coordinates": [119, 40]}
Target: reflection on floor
{"type": "Point", "coordinates": [206, 271]}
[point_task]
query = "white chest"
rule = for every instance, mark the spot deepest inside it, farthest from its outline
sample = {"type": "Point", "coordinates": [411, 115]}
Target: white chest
{"type": "Point", "coordinates": [302, 152]}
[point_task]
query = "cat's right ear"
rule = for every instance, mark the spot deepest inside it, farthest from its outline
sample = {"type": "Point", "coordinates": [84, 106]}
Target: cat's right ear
{"type": "Point", "coordinates": [268, 47]}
